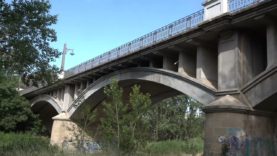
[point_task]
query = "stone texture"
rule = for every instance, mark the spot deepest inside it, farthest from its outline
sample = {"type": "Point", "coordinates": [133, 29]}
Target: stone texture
{"type": "Point", "coordinates": [65, 133]}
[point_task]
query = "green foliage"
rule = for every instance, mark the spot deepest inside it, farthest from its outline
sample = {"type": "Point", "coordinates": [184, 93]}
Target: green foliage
{"type": "Point", "coordinates": [12, 144]}
{"type": "Point", "coordinates": [25, 36]}
{"type": "Point", "coordinates": [23, 144]}
{"type": "Point", "coordinates": [175, 147]}
{"type": "Point", "coordinates": [175, 118]}
{"type": "Point", "coordinates": [81, 135]}
{"type": "Point", "coordinates": [121, 125]}
{"type": "Point", "coordinates": [16, 114]}
{"type": "Point", "coordinates": [127, 124]}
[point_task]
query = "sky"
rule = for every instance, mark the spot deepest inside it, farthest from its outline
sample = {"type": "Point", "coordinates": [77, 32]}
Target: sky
{"type": "Point", "coordinates": [93, 27]}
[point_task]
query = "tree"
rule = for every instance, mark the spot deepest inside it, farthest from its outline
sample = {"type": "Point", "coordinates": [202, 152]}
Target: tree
{"type": "Point", "coordinates": [122, 123]}
{"type": "Point", "coordinates": [25, 36]}
{"type": "Point", "coordinates": [16, 114]}
{"type": "Point", "coordinates": [176, 118]}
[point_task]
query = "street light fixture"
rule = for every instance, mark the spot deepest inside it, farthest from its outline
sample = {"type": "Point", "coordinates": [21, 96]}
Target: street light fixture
{"type": "Point", "coordinates": [65, 50]}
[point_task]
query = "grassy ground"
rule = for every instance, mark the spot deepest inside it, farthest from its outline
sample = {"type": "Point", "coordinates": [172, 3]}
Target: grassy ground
{"type": "Point", "coordinates": [175, 147]}
{"type": "Point", "coordinates": [28, 145]}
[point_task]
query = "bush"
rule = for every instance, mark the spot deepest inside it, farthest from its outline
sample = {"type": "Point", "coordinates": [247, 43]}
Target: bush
{"type": "Point", "coordinates": [12, 144]}
{"type": "Point", "coordinates": [175, 147]}
{"type": "Point", "coordinates": [16, 114]}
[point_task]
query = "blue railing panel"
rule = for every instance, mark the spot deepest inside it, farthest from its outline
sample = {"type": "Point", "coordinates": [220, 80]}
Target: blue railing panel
{"type": "Point", "coordinates": [235, 5]}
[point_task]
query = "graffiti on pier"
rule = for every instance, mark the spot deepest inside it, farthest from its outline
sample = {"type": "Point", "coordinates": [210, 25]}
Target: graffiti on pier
{"type": "Point", "coordinates": [238, 143]}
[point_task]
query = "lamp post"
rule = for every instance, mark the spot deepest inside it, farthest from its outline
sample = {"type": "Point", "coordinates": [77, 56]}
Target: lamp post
{"type": "Point", "coordinates": [65, 50]}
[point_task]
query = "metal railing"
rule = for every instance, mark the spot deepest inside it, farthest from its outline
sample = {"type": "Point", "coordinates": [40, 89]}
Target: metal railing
{"type": "Point", "coordinates": [171, 30]}
{"type": "Point", "coordinates": [159, 35]}
{"type": "Point", "coordinates": [236, 5]}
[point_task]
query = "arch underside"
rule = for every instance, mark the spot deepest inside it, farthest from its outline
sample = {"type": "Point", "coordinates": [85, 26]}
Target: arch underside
{"type": "Point", "coordinates": [161, 84]}
{"type": "Point", "coordinates": [46, 107]}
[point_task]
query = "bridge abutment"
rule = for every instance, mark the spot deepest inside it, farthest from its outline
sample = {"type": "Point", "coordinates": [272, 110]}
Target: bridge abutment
{"type": "Point", "coordinates": [232, 128]}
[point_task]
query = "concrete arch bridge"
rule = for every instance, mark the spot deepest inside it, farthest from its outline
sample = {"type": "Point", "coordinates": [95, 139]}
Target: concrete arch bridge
{"type": "Point", "coordinates": [224, 56]}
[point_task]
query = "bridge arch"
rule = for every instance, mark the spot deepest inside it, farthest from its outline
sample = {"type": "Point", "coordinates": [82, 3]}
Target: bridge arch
{"type": "Point", "coordinates": [157, 77]}
{"type": "Point", "coordinates": [47, 107]}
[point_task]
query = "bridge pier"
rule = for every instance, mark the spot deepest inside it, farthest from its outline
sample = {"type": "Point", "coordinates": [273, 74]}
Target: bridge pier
{"type": "Point", "coordinates": [61, 130]}
{"type": "Point", "coordinates": [66, 134]}
{"type": "Point", "coordinates": [232, 128]}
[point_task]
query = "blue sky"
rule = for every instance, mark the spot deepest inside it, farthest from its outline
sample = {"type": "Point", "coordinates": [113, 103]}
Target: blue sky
{"type": "Point", "coordinates": [92, 27]}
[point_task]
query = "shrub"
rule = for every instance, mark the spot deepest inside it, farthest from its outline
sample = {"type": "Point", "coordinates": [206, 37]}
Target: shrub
{"type": "Point", "coordinates": [12, 144]}
{"type": "Point", "coordinates": [175, 147]}
{"type": "Point", "coordinates": [16, 114]}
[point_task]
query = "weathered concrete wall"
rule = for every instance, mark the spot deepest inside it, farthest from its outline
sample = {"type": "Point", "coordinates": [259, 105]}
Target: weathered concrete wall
{"type": "Point", "coordinates": [65, 133]}
{"type": "Point", "coordinates": [252, 55]}
{"type": "Point", "coordinates": [228, 62]}
{"type": "Point", "coordinates": [187, 64]}
{"type": "Point", "coordinates": [238, 132]}
{"type": "Point", "coordinates": [239, 135]}
{"type": "Point", "coordinates": [169, 63]}
{"type": "Point", "coordinates": [241, 56]}
{"type": "Point", "coordinates": [206, 64]}
{"type": "Point", "coordinates": [68, 96]}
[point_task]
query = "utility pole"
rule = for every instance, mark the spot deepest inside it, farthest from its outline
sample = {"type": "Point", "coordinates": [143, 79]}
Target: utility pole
{"type": "Point", "coordinates": [65, 50]}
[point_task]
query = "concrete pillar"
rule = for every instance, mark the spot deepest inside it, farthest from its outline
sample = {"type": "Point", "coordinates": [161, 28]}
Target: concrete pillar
{"type": "Point", "coordinates": [82, 86]}
{"type": "Point", "coordinates": [252, 58]}
{"type": "Point", "coordinates": [68, 96]}
{"type": "Point", "coordinates": [55, 94]}
{"type": "Point", "coordinates": [61, 130]}
{"type": "Point", "coordinates": [187, 64]}
{"type": "Point", "coordinates": [62, 94]}
{"type": "Point", "coordinates": [58, 95]}
{"type": "Point", "coordinates": [240, 58]}
{"type": "Point", "coordinates": [206, 66]}
{"type": "Point", "coordinates": [76, 90]}
{"type": "Point", "coordinates": [88, 83]}
{"type": "Point", "coordinates": [271, 45]}
{"type": "Point", "coordinates": [65, 133]}
{"type": "Point", "coordinates": [169, 63]}
{"type": "Point", "coordinates": [232, 129]}
{"type": "Point", "coordinates": [228, 62]}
